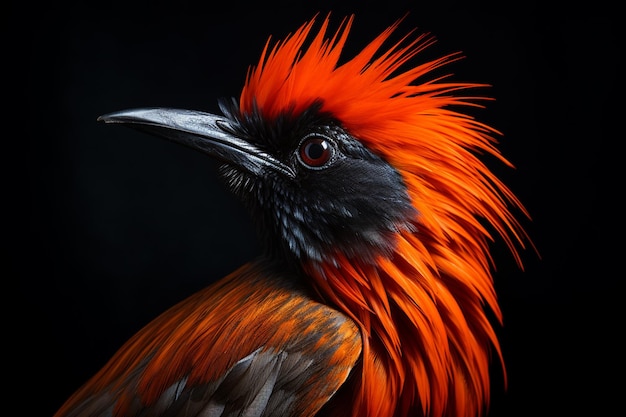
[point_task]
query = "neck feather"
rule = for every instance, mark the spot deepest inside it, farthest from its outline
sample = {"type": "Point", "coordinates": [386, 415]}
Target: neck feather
{"type": "Point", "coordinates": [427, 337]}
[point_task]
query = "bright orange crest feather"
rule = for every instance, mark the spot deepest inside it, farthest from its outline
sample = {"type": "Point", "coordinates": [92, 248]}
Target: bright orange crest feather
{"type": "Point", "coordinates": [427, 337]}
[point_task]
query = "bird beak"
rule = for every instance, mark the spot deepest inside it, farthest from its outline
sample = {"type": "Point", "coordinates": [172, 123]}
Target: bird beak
{"type": "Point", "coordinates": [203, 132]}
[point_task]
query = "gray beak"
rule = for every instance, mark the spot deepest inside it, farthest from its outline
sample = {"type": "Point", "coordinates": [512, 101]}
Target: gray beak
{"type": "Point", "coordinates": [203, 132]}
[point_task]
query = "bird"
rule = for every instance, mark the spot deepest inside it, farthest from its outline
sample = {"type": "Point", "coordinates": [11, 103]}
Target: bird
{"type": "Point", "coordinates": [376, 210]}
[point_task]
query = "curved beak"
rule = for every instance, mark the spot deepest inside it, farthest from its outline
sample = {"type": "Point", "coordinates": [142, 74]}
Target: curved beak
{"type": "Point", "coordinates": [202, 132]}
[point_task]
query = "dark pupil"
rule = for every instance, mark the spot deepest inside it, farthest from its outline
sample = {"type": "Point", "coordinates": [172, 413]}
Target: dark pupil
{"type": "Point", "coordinates": [315, 151]}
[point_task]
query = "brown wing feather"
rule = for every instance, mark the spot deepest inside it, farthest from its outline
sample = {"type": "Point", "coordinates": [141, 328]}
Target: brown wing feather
{"type": "Point", "coordinates": [254, 342]}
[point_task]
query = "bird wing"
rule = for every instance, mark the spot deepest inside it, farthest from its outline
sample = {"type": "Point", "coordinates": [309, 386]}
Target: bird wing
{"type": "Point", "coordinates": [253, 344]}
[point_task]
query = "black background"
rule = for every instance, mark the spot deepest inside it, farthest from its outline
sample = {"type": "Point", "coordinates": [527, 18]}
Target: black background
{"type": "Point", "coordinates": [107, 227]}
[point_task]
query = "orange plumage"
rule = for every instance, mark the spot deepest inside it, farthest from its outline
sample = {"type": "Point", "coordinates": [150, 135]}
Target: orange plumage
{"type": "Point", "coordinates": [388, 321]}
{"type": "Point", "coordinates": [439, 276]}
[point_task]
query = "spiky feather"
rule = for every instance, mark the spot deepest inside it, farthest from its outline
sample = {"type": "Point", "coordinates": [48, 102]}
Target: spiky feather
{"type": "Point", "coordinates": [427, 336]}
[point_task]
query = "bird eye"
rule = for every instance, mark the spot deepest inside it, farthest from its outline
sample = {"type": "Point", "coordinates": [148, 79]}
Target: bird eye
{"type": "Point", "coordinates": [315, 151]}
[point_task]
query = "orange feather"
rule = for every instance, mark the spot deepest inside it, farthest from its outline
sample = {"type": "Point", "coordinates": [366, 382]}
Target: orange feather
{"type": "Point", "coordinates": [199, 340]}
{"type": "Point", "coordinates": [427, 338]}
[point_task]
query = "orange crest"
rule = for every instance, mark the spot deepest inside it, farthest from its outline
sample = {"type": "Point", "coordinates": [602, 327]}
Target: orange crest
{"type": "Point", "coordinates": [407, 122]}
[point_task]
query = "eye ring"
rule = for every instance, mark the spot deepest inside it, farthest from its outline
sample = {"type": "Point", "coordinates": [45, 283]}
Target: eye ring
{"type": "Point", "coordinates": [315, 151]}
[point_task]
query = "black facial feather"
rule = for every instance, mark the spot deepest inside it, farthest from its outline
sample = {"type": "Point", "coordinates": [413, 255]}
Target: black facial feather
{"type": "Point", "coordinates": [353, 202]}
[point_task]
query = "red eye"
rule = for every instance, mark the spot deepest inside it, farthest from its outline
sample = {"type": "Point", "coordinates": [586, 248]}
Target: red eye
{"type": "Point", "coordinates": [315, 151]}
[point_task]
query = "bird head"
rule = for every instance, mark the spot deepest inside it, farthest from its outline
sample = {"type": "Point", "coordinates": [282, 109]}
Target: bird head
{"type": "Point", "coordinates": [366, 174]}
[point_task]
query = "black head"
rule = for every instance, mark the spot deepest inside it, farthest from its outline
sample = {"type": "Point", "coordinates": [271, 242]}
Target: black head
{"type": "Point", "coordinates": [340, 198]}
